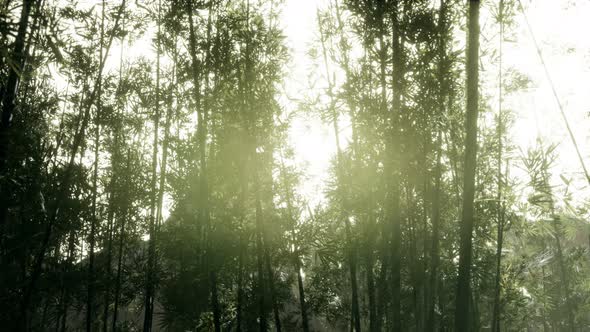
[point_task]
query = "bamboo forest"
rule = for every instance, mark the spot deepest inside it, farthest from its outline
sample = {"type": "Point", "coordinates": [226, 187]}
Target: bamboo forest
{"type": "Point", "coordinates": [294, 165]}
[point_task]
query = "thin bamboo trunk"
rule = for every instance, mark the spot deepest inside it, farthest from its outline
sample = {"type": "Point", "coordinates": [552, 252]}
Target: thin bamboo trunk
{"type": "Point", "coordinates": [385, 296]}
{"type": "Point", "coordinates": [120, 254]}
{"type": "Point", "coordinates": [109, 270]}
{"type": "Point", "coordinates": [261, 287]}
{"type": "Point", "coordinates": [151, 268]}
{"type": "Point", "coordinates": [114, 198]}
{"type": "Point", "coordinates": [61, 318]}
{"type": "Point", "coordinates": [544, 311]}
{"type": "Point", "coordinates": [383, 293]}
{"type": "Point", "coordinates": [118, 200]}
{"type": "Point", "coordinates": [242, 248]}
{"type": "Point", "coordinates": [94, 217]}
{"type": "Point", "coordinates": [242, 174]}
{"type": "Point", "coordinates": [240, 299]}
{"type": "Point", "coordinates": [434, 253]}
{"type": "Point", "coordinates": [302, 305]}
{"type": "Point", "coordinates": [394, 190]}
{"type": "Point", "coordinates": [204, 183]}
{"type": "Point", "coordinates": [500, 207]}
{"type": "Point", "coordinates": [463, 310]}
{"type": "Point", "coordinates": [271, 283]}
{"type": "Point", "coordinates": [500, 212]}
{"type": "Point", "coordinates": [195, 75]}
{"type": "Point", "coordinates": [371, 288]}
{"type": "Point", "coordinates": [268, 200]}
{"type": "Point", "coordinates": [371, 238]}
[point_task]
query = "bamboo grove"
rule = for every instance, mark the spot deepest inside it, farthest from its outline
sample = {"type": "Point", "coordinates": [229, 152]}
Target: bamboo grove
{"type": "Point", "coordinates": [149, 179]}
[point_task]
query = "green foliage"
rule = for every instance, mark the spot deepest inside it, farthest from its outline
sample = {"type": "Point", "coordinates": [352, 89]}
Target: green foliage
{"type": "Point", "coordinates": [198, 183]}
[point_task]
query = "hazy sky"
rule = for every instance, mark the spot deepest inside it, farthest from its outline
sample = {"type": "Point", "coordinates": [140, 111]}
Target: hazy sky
{"type": "Point", "coordinates": [313, 141]}
{"type": "Point", "coordinates": [560, 27]}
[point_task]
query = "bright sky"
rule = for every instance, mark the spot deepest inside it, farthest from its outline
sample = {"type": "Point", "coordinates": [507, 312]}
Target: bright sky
{"type": "Point", "coordinates": [560, 28]}
{"type": "Point", "coordinates": [566, 50]}
{"type": "Point", "coordinates": [313, 141]}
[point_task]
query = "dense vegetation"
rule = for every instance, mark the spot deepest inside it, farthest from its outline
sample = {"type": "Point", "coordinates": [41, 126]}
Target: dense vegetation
{"type": "Point", "coordinates": [148, 178]}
